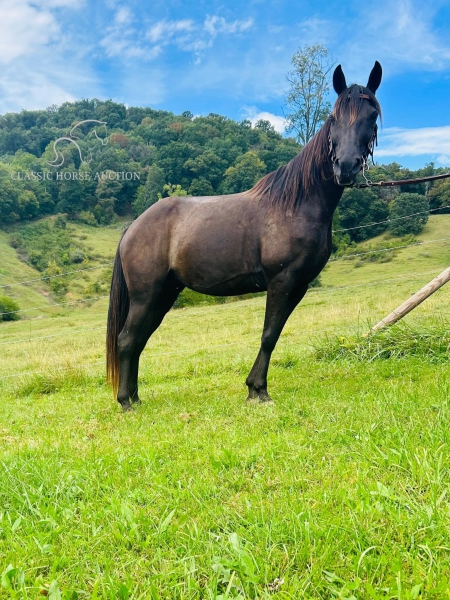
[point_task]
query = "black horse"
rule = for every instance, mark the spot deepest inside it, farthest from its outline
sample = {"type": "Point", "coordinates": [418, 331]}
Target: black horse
{"type": "Point", "coordinates": [274, 237]}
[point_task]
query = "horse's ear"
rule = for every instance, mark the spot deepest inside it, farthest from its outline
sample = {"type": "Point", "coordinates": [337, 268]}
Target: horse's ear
{"type": "Point", "coordinates": [339, 82]}
{"type": "Point", "coordinates": [375, 77]}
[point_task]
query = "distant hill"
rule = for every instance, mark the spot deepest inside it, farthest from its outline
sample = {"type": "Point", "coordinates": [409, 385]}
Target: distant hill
{"type": "Point", "coordinates": [96, 161]}
{"type": "Point", "coordinates": [105, 151]}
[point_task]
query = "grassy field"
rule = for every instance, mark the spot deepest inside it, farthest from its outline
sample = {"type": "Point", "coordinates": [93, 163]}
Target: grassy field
{"type": "Point", "coordinates": [340, 490]}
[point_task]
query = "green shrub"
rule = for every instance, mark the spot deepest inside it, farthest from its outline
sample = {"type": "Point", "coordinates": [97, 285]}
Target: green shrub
{"type": "Point", "coordinates": [87, 217]}
{"type": "Point", "coordinates": [60, 222]}
{"type": "Point", "coordinates": [8, 306]}
{"type": "Point", "coordinates": [76, 256]}
{"type": "Point", "coordinates": [317, 282]}
{"type": "Point", "coordinates": [404, 205]}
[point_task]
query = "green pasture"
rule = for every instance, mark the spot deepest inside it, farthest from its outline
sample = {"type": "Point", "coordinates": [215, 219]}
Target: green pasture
{"type": "Point", "coordinates": [340, 490]}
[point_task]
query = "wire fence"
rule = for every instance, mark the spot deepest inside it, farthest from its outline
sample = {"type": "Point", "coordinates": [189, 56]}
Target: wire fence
{"type": "Point", "coordinates": [312, 292]}
{"type": "Point", "coordinates": [6, 285]}
{"type": "Point", "coordinates": [343, 257]}
{"type": "Point", "coordinates": [391, 220]}
{"type": "Point", "coordinates": [189, 350]}
{"type": "Point", "coordinates": [46, 306]}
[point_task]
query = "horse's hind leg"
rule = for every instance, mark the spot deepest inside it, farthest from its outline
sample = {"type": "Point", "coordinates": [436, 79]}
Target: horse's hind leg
{"type": "Point", "coordinates": [145, 318]}
{"type": "Point", "coordinates": [138, 320]}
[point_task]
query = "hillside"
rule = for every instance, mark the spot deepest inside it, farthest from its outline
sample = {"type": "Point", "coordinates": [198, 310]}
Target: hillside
{"type": "Point", "coordinates": [353, 293]}
{"type": "Point", "coordinates": [98, 160]}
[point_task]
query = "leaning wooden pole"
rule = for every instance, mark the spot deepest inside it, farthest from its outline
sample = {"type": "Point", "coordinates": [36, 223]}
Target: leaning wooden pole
{"type": "Point", "coordinates": [414, 301]}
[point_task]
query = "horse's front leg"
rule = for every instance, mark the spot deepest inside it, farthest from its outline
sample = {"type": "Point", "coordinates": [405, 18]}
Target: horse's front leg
{"type": "Point", "coordinates": [282, 297]}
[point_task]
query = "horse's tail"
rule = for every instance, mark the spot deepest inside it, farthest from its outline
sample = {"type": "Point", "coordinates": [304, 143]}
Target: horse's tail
{"type": "Point", "coordinates": [119, 304]}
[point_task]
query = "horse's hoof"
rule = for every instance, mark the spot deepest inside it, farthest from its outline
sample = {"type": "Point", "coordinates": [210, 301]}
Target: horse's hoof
{"type": "Point", "coordinates": [136, 400]}
{"type": "Point", "coordinates": [126, 406]}
{"type": "Point", "coordinates": [264, 399]}
{"type": "Point", "coordinates": [252, 395]}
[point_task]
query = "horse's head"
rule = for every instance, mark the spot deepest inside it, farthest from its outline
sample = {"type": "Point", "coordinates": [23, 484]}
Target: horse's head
{"type": "Point", "coordinates": [353, 125]}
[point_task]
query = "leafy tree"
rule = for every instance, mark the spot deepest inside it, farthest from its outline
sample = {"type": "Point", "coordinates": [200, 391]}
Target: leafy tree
{"type": "Point", "coordinates": [247, 170]}
{"type": "Point", "coordinates": [404, 205]}
{"type": "Point", "coordinates": [70, 195]}
{"type": "Point", "coordinates": [201, 187]}
{"type": "Point", "coordinates": [9, 200]}
{"type": "Point", "coordinates": [265, 126]}
{"type": "Point", "coordinates": [361, 207]}
{"type": "Point", "coordinates": [108, 189]}
{"type": "Point", "coordinates": [439, 195]}
{"type": "Point", "coordinates": [207, 165]}
{"type": "Point", "coordinates": [309, 83]}
{"type": "Point", "coordinates": [148, 194]}
{"type": "Point", "coordinates": [8, 309]}
{"type": "Point", "coordinates": [28, 204]}
{"type": "Point", "coordinates": [174, 190]}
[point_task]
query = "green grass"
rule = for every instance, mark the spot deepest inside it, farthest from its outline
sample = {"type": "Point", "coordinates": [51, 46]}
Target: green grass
{"type": "Point", "coordinates": [340, 490]}
{"type": "Point", "coordinates": [431, 343]}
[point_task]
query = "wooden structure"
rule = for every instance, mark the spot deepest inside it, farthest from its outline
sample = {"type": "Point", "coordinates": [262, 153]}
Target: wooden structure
{"type": "Point", "coordinates": [414, 301]}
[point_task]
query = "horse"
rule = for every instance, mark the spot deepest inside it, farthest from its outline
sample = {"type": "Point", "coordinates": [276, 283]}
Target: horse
{"type": "Point", "coordinates": [275, 237]}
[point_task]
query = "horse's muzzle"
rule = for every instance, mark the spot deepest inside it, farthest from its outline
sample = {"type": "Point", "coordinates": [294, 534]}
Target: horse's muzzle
{"type": "Point", "coordinates": [345, 171]}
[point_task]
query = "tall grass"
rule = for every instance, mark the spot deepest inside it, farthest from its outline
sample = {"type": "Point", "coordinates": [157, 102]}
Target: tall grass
{"type": "Point", "coordinates": [430, 342]}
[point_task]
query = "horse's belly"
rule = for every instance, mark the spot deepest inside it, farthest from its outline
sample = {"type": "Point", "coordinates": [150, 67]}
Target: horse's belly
{"type": "Point", "coordinates": [247, 283]}
{"type": "Point", "coordinates": [211, 267]}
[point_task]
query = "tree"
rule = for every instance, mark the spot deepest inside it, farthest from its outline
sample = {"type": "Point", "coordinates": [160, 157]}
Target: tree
{"type": "Point", "coordinates": [207, 165]}
{"type": "Point", "coordinates": [174, 190]}
{"type": "Point", "coordinates": [361, 207]}
{"type": "Point", "coordinates": [9, 200]}
{"type": "Point", "coordinates": [148, 194]}
{"type": "Point", "coordinates": [309, 85]}
{"type": "Point", "coordinates": [404, 205]}
{"type": "Point", "coordinates": [201, 187]}
{"type": "Point", "coordinates": [70, 195]}
{"type": "Point", "coordinates": [107, 191]}
{"type": "Point", "coordinates": [9, 309]}
{"type": "Point", "coordinates": [439, 196]}
{"type": "Point", "coordinates": [244, 174]}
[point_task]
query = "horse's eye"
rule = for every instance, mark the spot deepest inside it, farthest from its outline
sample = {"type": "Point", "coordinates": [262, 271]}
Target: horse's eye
{"type": "Point", "coordinates": [332, 119]}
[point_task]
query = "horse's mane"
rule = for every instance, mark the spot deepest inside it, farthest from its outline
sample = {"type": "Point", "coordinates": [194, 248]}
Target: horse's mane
{"type": "Point", "coordinates": [290, 184]}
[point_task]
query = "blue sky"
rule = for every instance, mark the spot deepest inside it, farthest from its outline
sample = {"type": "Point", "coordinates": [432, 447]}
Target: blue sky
{"type": "Point", "coordinates": [232, 58]}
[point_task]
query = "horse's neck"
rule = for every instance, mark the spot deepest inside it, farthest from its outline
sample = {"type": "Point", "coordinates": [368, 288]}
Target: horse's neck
{"type": "Point", "coordinates": [322, 202]}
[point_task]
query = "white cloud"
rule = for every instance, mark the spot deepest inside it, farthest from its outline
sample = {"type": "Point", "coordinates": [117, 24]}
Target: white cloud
{"type": "Point", "coordinates": [189, 36]}
{"type": "Point", "coordinates": [214, 25]}
{"type": "Point", "coordinates": [433, 141]}
{"type": "Point", "coordinates": [402, 31]}
{"type": "Point", "coordinates": [120, 39]}
{"type": "Point", "coordinates": [40, 63]}
{"type": "Point", "coordinates": [253, 114]}
{"type": "Point", "coordinates": [401, 34]}
{"type": "Point", "coordinates": [24, 27]}
{"type": "Point", "coordinates": [164, 30]}
{"type": "Point", "coordinates": [123, 15]}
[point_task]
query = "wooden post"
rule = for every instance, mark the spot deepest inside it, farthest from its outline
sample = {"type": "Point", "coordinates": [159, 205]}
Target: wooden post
{"type": "Point", "coordinates": [414, 301]}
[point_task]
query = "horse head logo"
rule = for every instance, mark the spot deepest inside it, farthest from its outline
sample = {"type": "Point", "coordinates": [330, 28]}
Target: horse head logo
{"type": "Point", "coordinates": [58, 161]}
